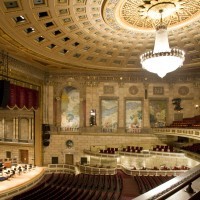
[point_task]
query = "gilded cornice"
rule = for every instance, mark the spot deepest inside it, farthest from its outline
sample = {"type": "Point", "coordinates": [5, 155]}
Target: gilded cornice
{"type": "Point", "coordinates": [94, 79]}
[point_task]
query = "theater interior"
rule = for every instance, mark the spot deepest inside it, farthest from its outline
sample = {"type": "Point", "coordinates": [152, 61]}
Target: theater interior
{"type": "Point", "coordinates": [82, 116]}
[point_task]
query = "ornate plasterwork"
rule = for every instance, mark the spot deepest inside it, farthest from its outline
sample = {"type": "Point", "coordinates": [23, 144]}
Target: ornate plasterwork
{"type": "Point", "coordinates": [144, 15]}
{"type": "Point", "coordinates": [133, 90]}
{"type": "Point", "coordinates": [183, 90]}
{"type": "Point", "coordinates": [80, 35]}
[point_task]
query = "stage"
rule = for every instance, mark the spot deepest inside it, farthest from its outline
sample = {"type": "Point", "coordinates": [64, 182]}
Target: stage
{"type": "Point", "coordinates": [19, 182]}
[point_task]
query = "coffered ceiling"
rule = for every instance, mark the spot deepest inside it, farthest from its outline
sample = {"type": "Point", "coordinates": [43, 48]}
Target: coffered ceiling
{"type": "Point", "coordinates": [60, 35]}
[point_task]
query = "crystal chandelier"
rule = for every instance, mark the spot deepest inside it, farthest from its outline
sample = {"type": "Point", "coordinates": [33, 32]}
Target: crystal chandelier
{"type": "Point", "coordinates": [162, 59]}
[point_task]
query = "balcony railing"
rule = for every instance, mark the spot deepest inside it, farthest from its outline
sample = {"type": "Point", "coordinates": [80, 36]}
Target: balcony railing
{"type": "Point", "coordinates": [174, 185]}
{"type": "Point", "coordinates": [190, 133]}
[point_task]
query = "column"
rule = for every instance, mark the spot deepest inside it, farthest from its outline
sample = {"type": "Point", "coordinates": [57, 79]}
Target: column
{"type": "Point", "coordinates": [57, 112]}
{"type": "Point", "coordinates": [14, 129]}
{"type": "Point", "coordinates": [196, 99]}
{"type": "Point", "coordinates": [38, 150]}
{"type": "Point", "coordinates": [48, 104]}
{"type": "Point", "coordinates": [32, 129]}
{"type": "Point", "coordinates": [146, 114]}
{"type": "Point", "coordinates": [170, 116]}
{"type": "Point", "coordinates": [17, 129]}
{"type": "Point", "coordinates": [3, 128]}
{"type": "Point", "coordinates": [29, 130]}
{"type": "Point", "coordinates": [121, 108]}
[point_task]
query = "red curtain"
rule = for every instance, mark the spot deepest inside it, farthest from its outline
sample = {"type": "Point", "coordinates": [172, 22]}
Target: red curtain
{"type": "Point", "coordinates": [22, 97]}
{"type": "Point", "coordinates": [13, 93]}
{"type": "Point", "coordinates": [35, 99]}
{"type": "Point", "coordinates": [29, 98]}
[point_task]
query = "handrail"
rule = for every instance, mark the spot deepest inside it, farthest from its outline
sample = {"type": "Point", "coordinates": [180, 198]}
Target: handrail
{"type": "Point", "coordinates": [143, 153]}
{"type": "Point", "coordinates": [172, 186]}
{"type": "Point", "coordinates": [151, 172]}
{"type": "Point", "coordinates": [61, 168]}
{"type": "Point", "coordinates": [86, 169]}
{"type": "Point", "coordinates": [186, 132]}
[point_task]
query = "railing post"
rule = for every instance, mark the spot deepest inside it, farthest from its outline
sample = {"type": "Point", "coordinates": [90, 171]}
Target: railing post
{"type": "Point", "coordinates": [189, 189]}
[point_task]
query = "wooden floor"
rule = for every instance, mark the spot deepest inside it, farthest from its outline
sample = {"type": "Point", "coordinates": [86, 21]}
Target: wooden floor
{"type": "Point", "coordinates": [19, 180]}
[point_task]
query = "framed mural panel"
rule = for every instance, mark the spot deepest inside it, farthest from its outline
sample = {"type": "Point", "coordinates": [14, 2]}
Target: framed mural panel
{"type": "Point", "coordinates": [109, 115]}
{"type": "Point", "coordinates": [70, 109]}
{"type": "Point", "coordinates": [133, 115]}
{"type": "Point", "coordinates": [158, 113]}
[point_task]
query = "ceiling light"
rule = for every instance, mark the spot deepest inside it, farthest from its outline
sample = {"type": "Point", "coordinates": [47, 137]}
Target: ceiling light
{"type": "Point", "coordinates": [162, 59]}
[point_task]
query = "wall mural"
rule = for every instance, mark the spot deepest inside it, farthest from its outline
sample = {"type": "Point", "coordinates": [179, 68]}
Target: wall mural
{"type": "Point", "coordinates": [133, 115]}
{"type": "Point", "coordinates": [158, 109]}
{"type": "Point", "coordinates": [70, 103]}
{"type": "Point", "coordinates": [109, 115]}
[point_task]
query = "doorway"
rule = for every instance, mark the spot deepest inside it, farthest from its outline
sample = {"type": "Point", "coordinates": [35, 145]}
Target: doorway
{"type": "Point", "coordinates": [69, 159]}
{"type": "Point", "coordinates": [23, 155]}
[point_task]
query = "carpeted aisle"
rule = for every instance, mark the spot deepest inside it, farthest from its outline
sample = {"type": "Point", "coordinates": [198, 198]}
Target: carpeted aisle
{"type": "Point", "coordinates": [130, 188]}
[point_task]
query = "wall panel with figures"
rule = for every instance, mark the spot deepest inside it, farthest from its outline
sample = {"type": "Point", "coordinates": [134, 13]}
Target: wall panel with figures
{"type": "Point", "coordinates": [109, 115]}
{"type": "Point", "coordinates": [158, 113]}
{"type": "Point", "coordinates": [133, 115]}
{"type": "Point", "coordinates": [70, 112]}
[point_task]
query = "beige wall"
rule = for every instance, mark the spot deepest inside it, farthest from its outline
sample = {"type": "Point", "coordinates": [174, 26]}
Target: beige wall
{"type": "Point", "coordinates": [95, 91]}
{"type": "Point", "coordinates": [58, 148]}
{"type": "Point", "coordinates": [92, 89]}
{"type": "Point", "coordinates": [15, 151]}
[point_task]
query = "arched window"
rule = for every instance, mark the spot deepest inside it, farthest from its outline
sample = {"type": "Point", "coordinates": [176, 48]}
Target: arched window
{"type": "Point", "coordinates": [70, 106]}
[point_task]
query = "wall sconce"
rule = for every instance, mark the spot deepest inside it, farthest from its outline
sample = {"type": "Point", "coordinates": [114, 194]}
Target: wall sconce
{"type": "Point", "coordinates": [197, 106]}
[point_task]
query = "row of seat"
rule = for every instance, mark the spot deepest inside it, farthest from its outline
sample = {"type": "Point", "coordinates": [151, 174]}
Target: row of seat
{"type": "Point", "coordinates": [193, 122]}
{"type": "Point", "coordinates": [146, 183]}
{"type": "Point", "coordinates": [195, 148]}
{"type": "Point", "coordinates": [124, 149]}
{"type": "Point", "coordinates": [75, 187]}
{"type": "Point", "coordinates": [163, 148]}
{"type": "Point", "coordinates": [135, 149]}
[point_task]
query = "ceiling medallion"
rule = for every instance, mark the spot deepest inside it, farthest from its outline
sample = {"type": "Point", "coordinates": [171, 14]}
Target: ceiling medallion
{"type": "Point", "coordinates": [143, 15]}
{"type": "Point", "coordinates": [151, 8]}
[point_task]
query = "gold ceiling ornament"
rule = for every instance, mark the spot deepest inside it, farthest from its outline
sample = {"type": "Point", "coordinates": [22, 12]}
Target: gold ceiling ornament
{"type": "Point", "coordinates": [144, 15]}
{"type": "Point", "coordinates": [151, 9]}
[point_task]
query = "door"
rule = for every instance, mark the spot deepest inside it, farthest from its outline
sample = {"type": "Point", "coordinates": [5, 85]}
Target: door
{"type": "Point", "coordinates": [69, 159]}
{"type": "Point", "coordinates": [23, 156]}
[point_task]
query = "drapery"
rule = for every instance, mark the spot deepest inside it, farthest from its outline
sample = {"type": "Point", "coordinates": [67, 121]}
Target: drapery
{"type": "Point", "coordinates": [23, 98]}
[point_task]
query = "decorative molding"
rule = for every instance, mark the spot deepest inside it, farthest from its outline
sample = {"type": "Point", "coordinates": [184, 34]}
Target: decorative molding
{"type": "Point", "coordinates": [133, 90]}
{"type": "Point", "coordinates": [107, 89]}
{"type": "Point", "coordinates": [158, 90]}
{"type": "Point", "coordinates": [183, 90]}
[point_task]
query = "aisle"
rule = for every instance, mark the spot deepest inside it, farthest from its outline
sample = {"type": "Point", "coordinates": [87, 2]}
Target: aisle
{"type": "Point", "coordinates": [130, 188]}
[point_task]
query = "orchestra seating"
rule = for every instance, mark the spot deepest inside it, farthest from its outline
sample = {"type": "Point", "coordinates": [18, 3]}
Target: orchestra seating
{"type": "Point", "coordinates": [193, 122]}
{"type": "Point", "coordinates": [195, 148]}
{"type": "Point", "coordinates": [58, 186]}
